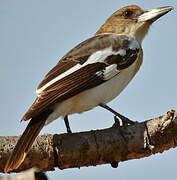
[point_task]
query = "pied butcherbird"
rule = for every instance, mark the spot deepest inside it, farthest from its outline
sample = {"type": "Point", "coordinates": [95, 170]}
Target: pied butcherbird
{"type": "Point", "coordinates": [91, 74]}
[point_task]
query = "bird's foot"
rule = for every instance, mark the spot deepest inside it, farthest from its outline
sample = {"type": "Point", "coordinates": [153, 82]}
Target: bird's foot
{"type": "Point", "coordinates": [125, 121]}
{"type": "Point", "coordinates": [116, 122]}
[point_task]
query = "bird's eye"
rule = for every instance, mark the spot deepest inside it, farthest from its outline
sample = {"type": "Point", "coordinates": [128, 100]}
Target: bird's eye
{"type": "Point", "coordinates": [128, 13]}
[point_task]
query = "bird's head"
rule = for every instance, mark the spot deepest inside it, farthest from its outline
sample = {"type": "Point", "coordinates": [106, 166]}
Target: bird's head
{"type": "Point", "coordinates": [132, 20]}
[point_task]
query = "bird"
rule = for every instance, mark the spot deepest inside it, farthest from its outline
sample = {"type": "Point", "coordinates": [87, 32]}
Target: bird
{"type": "Point", "coordinates": [91, 74]}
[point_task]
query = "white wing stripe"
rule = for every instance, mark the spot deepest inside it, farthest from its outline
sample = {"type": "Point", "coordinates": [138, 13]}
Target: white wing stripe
{"type": "Point", "coordinates": [98, 56]}
{"type": "Point", "coordinates": [110, 72]}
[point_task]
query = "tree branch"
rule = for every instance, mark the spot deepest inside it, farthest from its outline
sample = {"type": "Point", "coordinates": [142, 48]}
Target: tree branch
{"type": "Point", "coordinates": [97, 147]}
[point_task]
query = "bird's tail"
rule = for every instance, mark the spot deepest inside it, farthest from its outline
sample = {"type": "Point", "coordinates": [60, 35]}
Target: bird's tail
{"type": "Point", "coordinates": [26, 141]}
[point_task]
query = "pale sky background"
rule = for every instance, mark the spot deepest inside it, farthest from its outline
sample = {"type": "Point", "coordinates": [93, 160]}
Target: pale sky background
{"type": "Point", "coordinates": [34, 35]}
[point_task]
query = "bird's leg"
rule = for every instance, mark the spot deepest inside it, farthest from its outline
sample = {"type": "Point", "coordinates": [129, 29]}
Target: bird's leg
{"type": "Point", "coordinates": [124, 119]}
{"type": "Point", "coordinates": [67, 124]}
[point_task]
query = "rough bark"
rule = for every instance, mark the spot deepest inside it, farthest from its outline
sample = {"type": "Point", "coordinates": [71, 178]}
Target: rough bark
{"type": "Point", "coordinates": [97, 147]}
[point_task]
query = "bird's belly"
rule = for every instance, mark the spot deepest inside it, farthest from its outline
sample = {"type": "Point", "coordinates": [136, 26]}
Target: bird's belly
{"type": "Point", "coordinates": [103, 93]}
{"type": "Point", "coordinates": [91, 98]}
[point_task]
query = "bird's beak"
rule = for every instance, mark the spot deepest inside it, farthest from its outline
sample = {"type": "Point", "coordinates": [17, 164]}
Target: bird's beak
{"type": "Point", "coordinates": [154, 14]}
